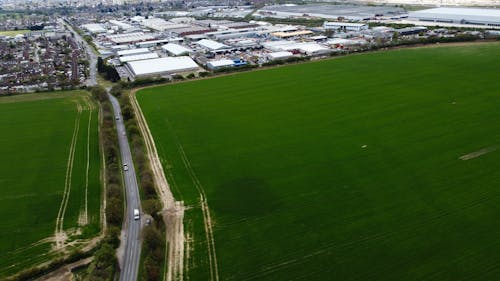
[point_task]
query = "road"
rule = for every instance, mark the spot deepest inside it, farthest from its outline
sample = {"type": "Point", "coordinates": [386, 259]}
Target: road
{"type": "Point", "coordinates": [92, 79]}
{"type": "Point", "coordinates": [132, 228]}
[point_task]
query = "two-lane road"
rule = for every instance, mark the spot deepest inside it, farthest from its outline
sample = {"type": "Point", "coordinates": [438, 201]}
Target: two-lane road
{"type": "Point", "coordinates": [132, 227]}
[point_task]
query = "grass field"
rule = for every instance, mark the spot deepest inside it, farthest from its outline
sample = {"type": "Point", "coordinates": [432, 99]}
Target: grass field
{"type": "Point", "coordinates": [47, 141]}
{"type": "Point", "coordinates": [13, 32]}
{"type": "Point", "coordinates": [379, 166]}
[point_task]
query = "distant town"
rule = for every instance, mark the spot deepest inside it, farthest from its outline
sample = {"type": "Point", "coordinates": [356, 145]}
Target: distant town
{"type": "Point", "coordinates": [178, 41]}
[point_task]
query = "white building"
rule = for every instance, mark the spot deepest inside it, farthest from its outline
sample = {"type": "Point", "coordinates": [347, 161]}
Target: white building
{"type": "Point", "coordinates": [94, 28]}
{"type": "Point", "coordinates": [279, 55]}
{"type": "Point", "coordinates": [130, 52]}
{"type": "Point", "coordinates": [474, 16]}
{"type": "Point", "coordinates": [147, 56]}
{"type": "Point", "coordinates": [121, 25]}
{"type": "Point", "coordinates": [175, 49]}
{"type": "Point", "coordinates": [215, 64]}
{"type": "Point", "coordinates": [212, 45]}
{"type": "Point", "coordinates": [161, 66]}
{"type": "Point", "coordinates": [346, 26]}
{"type": "Point", "coordinates": [128, 38]}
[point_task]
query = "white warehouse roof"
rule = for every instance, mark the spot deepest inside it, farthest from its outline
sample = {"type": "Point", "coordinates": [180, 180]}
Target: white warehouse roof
{"type": "Point", "coordinates": [133, 52]}
{"type": "Point", "coordinates": [211, 44]}
{"type": "Point", "coordinates": [120, 24]}
{"type": "Point", "coordinates": [94, 28]}
{"type": "Point", "coordinates": [159, 66]}
{"type": "Point", "coordinates": [279, 55]}
{"type": "Point", "coordinates": [130, 37]}
{"type": "Point", "coordinates": [176, 49]}
{"type": "Point", "coordinates": [138, 57]}
{"type": "Point", "coordinates": [459, 15]}
{"type": "Point", "coordinates": [220, 63]}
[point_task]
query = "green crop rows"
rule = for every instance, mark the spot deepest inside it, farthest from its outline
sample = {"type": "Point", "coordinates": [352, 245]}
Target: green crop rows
{"type": "Point", "coordinates": [35, 148]}
{"type": "Point", "coordinates": [382, 166]}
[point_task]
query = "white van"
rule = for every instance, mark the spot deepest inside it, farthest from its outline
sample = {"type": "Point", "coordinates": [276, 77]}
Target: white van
{"type": "Point", "coordinates": [136, 214]}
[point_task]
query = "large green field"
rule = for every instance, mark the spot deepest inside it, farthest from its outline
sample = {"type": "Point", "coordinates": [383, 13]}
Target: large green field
{"type": "Point", "coordinates": [381, 166]}
{"type": "Point", "coordinates": [49, 169]}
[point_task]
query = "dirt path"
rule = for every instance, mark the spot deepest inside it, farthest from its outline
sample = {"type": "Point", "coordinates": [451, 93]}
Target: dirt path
{"type": "Point", "coordinates": [173, 210]}
{"type": "Point", "coordinates": [59, 235]}
{"type": "Point", "coordinates": [478, 153]}
{"type": "Point", "coordinates": [64, 273]}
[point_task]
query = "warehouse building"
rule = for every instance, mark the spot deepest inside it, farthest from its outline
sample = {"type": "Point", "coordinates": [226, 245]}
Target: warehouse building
{"type": "Point", "coordinates": [346, 26]}
{"type": "Point", "coordinates": [161, 66]}
{"type": "Point", "coordinates": [147, 56]}
{"type": "Point", "coordinates": [476, 16]}
{"type": "Point", "coordinates": [216, 64]}
{"type": "Point", "coordinates": [279, 55]}
{"type": "Point", "coordinates": [128, 38]}
{"type": "Point", "coordinates": [411, 30]}
{"type": "Point", "coordinates": [131, 52]}
{"type": "Point", "coordinates": [212, 45]}
{"type": "Point", "coordinates": [94, 28]}
{"type": "Point", "coordinates": [176, 50]}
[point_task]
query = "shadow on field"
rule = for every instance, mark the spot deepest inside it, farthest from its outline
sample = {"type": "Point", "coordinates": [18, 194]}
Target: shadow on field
{"type": "Point", "coordinates": [245, 197]}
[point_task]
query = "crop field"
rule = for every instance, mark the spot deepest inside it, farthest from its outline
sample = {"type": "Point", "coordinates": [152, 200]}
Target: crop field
{"type": "Point", "coordinates": [13, 32]}
{"type": "Point", "coordinates": [49, 177]}
{"type": "Point", "coordinates": [381, 166]}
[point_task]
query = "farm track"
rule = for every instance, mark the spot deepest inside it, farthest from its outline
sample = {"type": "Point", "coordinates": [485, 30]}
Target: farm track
{"type": "Point", "coordinates": [85, 219]}
{"type": "Point", "coordinates": [173, 210]}
{"type": "Point", "coordinates": [78, 180]}
{"type": "Point", "coordinates": [59, 234]}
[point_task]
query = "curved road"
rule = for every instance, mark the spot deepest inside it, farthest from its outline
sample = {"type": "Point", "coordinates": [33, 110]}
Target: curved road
{"type": "Point", "coordinates": [130, 265]}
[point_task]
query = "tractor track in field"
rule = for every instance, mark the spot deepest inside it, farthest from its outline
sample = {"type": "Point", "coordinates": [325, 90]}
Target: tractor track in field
{"type": "Point", "coordinates": [85, 216]}
{"type": "Point", "coordinates": [59, 235]}
{"type": "Point", "coordinates": [173, 211]}
{"type": "Point", "coordinates": [176, 265]}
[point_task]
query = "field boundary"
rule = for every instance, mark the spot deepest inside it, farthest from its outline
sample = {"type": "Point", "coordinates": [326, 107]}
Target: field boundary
{"type": "Point", "coordinates": [173, 210]}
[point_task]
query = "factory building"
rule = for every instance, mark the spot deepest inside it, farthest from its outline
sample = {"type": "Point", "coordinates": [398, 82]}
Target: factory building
{"type": "Point", "coordinates": [161, 66]}
{"type": "Point", "coordinates": [176, 50]}
{"type": "Point", "coordinates": [212, 45]}
{"type": "Point", "coordinates": [147, 56]}
{"type": "Point", "coordinates": [216, 64]}
{"type": "Point", "coordinates": [128, 38]}
{"type": "Point", "coordinates": [131, 52]}
{"type": "Point", "coordinates": [279, 55]}
{"type": "Point", "coordinates": [345, 26]}
{"type": "Point", "coordinates": [476, 16]}
{"type": "Point", "coordinates": [94, 28]}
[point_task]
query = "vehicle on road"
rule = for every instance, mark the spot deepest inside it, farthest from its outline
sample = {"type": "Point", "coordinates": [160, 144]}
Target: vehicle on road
{"type": "Point", "coordinates": [136, 214]}
{"type": "Point", "coordinates": [117, 118]}
{"type": "Point", "coordinates": [125, 167]}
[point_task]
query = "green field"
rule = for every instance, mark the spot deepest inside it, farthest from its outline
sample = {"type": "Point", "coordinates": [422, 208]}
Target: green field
{"type": "Point", "coordinates": [13, 32]}
{"type": "Point", "coordinates": [381, 166]}
{"type": "Point", "coordinates": [47, 141]}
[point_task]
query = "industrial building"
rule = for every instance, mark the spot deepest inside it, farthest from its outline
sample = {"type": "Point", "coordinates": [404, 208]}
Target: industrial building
{"type": "Point", "coordinates": [216, 64]}
{"type": "Point", "coordinates": [411, 30]}
{"type": "Point", "coordinates": [94, 28]}
{"type": "Point", "coordinates": [279, 55]}
{"type": "Point", "coordinates": [128, 38]}
{"type": "Point", "coordinates": [307, 48]}
{"type": "Point", "coordinates": [176, 50]}
{"type": "Point", "coordinates": [147, 56]}
{"type": "Point", "coordinates": [476, 16]}
{"type": "Point", "coordinates": [337, 12]}
{"type": "Point", "coordinates": [131, 52]}
{"type": "Point", "coordinates": [345, 26]}
{"type": "Point", "coordinates": [212, 45]}
{"type": "Point", "coordinates": [161, 66]}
